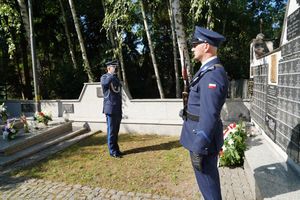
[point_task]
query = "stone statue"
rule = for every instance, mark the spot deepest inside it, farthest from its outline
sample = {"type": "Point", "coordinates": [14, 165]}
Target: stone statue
{"type": "Point", "coordinates": [260, 46]}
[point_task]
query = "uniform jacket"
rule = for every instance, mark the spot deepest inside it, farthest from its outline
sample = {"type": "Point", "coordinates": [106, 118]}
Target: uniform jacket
{"type": "Point", "coordinates": [208, 91]}
{"type": "Point", "coordinates": [112, 95]}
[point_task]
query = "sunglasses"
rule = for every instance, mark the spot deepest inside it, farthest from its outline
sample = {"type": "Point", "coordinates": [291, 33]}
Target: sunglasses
{"type": "Point", "coordinates": [194, 45]}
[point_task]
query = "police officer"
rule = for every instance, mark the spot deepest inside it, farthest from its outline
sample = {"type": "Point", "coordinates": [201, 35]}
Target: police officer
{"type": "Point", "coordinates": [112, 107]}
{"type": "Point", "coordinates": [202, 131]}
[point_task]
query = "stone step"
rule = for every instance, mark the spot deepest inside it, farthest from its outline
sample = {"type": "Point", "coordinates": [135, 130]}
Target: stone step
{"type": "Point", "coordinates": [7, 160]}
{"type": "Point", "coordinates": [26, 140]}
{"type": "Point", "coordinates": [45, 153]}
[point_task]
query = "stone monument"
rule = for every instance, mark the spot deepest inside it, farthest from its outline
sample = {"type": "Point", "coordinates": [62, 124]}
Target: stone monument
{"type": "Point", "coordinates": [276, 75]}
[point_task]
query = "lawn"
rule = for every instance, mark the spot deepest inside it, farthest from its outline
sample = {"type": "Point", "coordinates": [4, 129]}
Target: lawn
{"type": "Point", "coordinates": [151, 164]}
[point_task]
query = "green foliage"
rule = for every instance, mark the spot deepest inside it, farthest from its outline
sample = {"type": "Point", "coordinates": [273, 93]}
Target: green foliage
{"type": "Point", "coordinates": [10, 25]}
{"type": "Point", "coordinates": [234, 147]}
{"type": "Point", "coordinates": [238, 20]}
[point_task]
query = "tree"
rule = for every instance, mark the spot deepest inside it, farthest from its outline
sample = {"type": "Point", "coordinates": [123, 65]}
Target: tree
{"type": "Point", "coordinates": [159, 85]}
{"type": "Point", "coordinates": [71, 49]}
{"type": "Point", "coordinates": [115, 39]}
{"type": "Point", "coordinates": [25, 23]}
{"type": "Point", "coordinates": [172, 22]}
{"type": "Point", "coordinates": [120, 32]}
{"type": "Point", "coordinates": [87, 67]}
{"type": "Point", "coordinates": [13, 38]}
{"type": "Point", "coordinates": [181, 38]}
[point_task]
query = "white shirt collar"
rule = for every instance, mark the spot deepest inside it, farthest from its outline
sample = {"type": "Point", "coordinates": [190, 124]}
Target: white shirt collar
{"type": "Point", "coordinates": [206, 61]}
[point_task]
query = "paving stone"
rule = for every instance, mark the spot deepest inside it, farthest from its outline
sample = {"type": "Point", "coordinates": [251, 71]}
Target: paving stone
{"type": "Point", "coordinates": [234, 185]}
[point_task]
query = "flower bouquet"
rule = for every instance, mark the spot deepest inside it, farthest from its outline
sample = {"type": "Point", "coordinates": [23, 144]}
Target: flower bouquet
{"type": "Point", "coordinates": [3, 112]}
{"type": "Point", "coordinates": [233, 150]}
{"type": "Point", "coordinates": [42, 117]}
{"type": "Point", "coordinates": [25, 123]}
{"type": "Point", "coordinates": [9, 130]}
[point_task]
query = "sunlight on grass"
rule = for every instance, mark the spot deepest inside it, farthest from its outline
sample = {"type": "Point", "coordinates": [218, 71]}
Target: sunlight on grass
{"type": "Point", "coordinates": [151, 164]}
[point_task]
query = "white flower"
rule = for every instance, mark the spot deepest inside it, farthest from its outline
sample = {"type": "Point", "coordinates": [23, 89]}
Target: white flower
{"type": "Point", "coordinates": [231, 142]}
{"type": "Point", "coordinates": [2, 107]}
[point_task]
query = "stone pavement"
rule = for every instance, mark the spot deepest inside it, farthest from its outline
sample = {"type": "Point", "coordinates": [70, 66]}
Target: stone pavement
{"type": "Point", "coordinates": [234, 186]}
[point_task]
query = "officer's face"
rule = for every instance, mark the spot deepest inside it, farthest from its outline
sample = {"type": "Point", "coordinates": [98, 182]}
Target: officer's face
{"type": "Point", "coordinates": [111, 69]}
{"type": "Point", "coordinates": [199, 50]}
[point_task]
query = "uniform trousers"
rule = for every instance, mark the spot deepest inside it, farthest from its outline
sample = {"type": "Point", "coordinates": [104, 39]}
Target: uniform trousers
{"type": "Point", "coordinates": [208, 179]}
{"type": "Point", "coordinates": [113, 127]}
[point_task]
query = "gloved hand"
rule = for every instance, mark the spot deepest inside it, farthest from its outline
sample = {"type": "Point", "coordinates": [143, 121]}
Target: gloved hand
{"type": "Point", "coordinates": [197, 161]}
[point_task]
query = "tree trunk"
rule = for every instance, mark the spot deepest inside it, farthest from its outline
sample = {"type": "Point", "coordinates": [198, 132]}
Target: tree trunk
{"type": "Point", "coordinates": [120, 54]}
{"type": "Point", "coordinates": [181, 38]}
{"type": "Point", "coordinates": [25, 49]}
{"type": "Point", "coordinates": [27, 78]}
{"type": "Point", "coordinates": [160, 89]}
{"type": "Point", "coordinates": [19, 84]}
{"type": "Point", "coordinates": [25, 18]}
{"type": "Point", "coordinates": [210, 24]}
{"type": "Point", "coordinates": [174, 50]}
{"type": "Point", "coordinates": [71, 49]}
{"type": "Point", "coordinates": [87, 67]}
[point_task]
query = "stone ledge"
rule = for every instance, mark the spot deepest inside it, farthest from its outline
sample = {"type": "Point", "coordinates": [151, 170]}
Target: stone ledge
{"type": "Point", "coordinates": [13, 146]}
{"type": "Point", "coordinates": [271, 176]}
{"type": "Point", "coordinates": [4, 161]}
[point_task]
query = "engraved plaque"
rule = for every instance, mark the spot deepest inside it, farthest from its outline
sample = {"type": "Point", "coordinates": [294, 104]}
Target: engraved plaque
{"type": "Point", "coordinates": [272, 92]}
{"type": "Point", "coordinates": [293, 25]}
{"type": "Point", "coordinates": [68, 108]}
{"type": "Point", "coordinates": [271, 125]}
{"type": "Point", "coordinates": [27, 108]}
{"type": "Point", "coordinates": [298, 80]}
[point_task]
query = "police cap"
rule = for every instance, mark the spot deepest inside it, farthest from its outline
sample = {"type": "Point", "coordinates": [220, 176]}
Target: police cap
{"type": "Point", "coordinates": [114, 63]}
{"type": "Point", "coordinates": [204, 35]}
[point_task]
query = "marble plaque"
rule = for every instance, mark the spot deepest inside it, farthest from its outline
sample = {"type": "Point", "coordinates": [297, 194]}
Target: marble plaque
{"type": "Point", "coordinates": [291, 48]}
{"type": "Point", "coordinates": [68, 108]}
{"type": "Point", "coordinates": [293, 25]}
{"type": "Point", "coordinates": [272, 92]}
{"type": "Point", "coordinates": [271, 125]}
{"type": "Point", "coordinates": [27, 108]}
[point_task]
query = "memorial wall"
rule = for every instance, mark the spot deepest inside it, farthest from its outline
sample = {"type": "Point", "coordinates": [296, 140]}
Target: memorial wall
{"type": "Point", "coordinates": [275, 103]}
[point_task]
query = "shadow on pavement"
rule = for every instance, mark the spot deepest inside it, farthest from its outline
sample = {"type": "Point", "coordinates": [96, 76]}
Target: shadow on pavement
{"type": "Point", "coordinates": [276, 179]}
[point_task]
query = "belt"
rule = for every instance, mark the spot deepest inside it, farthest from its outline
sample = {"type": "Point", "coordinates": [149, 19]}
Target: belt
{"type": "Point", "coordinates": [192, 117]}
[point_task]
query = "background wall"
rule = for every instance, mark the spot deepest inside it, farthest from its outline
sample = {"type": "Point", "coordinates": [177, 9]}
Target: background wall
{"type": "Point", "coordinates": [275, 105]}
{"type": "Point", "coordinates": [144, 116]}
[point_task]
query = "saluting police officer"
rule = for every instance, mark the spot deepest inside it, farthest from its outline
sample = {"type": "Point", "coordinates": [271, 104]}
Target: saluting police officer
{"type": "Point", "coordinates": [112, 107]}
{"type": "Point", "coordinates": [202, 131]}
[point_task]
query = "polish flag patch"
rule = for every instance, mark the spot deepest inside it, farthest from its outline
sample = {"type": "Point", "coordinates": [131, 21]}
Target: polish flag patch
{"type": "Point", "coordinates": [212, 86]}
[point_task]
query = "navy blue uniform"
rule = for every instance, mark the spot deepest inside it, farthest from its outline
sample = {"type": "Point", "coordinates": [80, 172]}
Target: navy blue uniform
{"type": "Point", "coordinates": [112, 107]}
{"type": "Point", "coordinates": [207, 95]}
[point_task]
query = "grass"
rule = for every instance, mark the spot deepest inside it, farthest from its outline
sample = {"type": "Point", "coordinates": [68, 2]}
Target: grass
{"type": "Point", "coordinates": [151, 164]}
